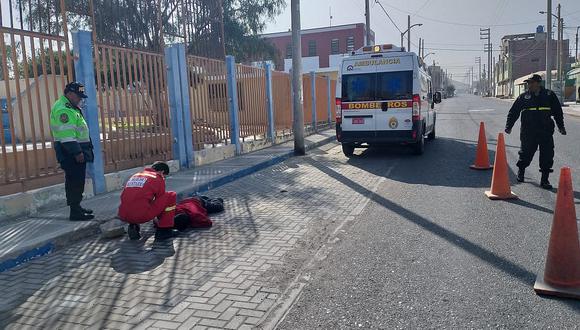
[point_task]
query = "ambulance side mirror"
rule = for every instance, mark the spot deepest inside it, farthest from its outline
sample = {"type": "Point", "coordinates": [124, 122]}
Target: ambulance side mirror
{"type": "Point", "coordinates": [437, 97]}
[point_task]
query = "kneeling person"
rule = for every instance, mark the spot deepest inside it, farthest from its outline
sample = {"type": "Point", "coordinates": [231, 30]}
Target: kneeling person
{"type": "Point", "coordinates": [144, 198]}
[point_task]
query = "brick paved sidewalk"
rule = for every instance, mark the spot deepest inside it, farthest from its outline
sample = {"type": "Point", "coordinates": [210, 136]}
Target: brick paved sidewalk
{"type": "Point", "coordinates": [230, 276]}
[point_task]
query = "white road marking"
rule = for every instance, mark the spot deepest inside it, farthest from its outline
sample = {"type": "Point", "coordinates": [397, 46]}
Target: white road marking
{"type": "Point", "coordinates": [482, 110]}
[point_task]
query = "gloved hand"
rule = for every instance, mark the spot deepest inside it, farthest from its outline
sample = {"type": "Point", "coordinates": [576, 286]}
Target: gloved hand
{"type": "Point", "coordinates": [508, 130]}
{"type": "Point", "coordinates": [562, 131]}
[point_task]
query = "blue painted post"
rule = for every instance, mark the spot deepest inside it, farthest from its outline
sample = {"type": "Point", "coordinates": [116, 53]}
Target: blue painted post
{"type": "Point", "coordinates": [270, 103]}
{"type": "Point", "coordinates": [233, 102]}
{"type": "Point", "coordinates": [313, 88]}
{"type": "Point", "coordinates": [85, 74]}
{"type": "Point", "coordinates": [175, 105]}
{"type": "Point", "coordinates": [330, 100]}
{"type": "Point", "coordinates": [185, 104]}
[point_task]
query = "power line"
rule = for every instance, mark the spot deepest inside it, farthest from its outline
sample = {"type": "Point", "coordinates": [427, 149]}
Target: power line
{"type": "Point", "coordinates": [389, 16]}
{"type": "Point", "coordinates": [422, 6]}
{"type": "Point", "coordinates": [459, 23]}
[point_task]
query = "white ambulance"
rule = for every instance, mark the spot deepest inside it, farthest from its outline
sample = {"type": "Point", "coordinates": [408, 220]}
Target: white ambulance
{"type": "Point", "coordinates": [386, 97]}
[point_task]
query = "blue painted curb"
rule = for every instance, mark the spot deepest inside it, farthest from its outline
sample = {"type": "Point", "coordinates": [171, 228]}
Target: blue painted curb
{"type": "Point", "coordinates": [26, 257]}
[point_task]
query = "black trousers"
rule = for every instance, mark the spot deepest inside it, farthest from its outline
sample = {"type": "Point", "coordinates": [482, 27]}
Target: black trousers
{"type": "Point", "coordinates": [74, 180]}
{"type": "Point", "coordinates": [530, 143]}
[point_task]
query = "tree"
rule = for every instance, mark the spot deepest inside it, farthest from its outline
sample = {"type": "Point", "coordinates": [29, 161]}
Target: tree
{"type": "Point", "coordinates": [134, 23]}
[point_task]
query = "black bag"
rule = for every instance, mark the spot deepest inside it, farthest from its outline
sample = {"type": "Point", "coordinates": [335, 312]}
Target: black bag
{"type": "Point", "coordinates": [212, 205]}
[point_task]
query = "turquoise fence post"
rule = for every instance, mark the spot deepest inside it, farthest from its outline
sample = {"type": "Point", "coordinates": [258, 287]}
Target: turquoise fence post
{"type": "Point", "coordinates": [175, 105]}
{"type": "Point", "coordinates": [233, 102]}
{"type": "Point", "coordinates": [270, 103]}
{"type": "Point", "coordinates": [85, 74]}
{"type": "Point", "coordinates": [313, 88]}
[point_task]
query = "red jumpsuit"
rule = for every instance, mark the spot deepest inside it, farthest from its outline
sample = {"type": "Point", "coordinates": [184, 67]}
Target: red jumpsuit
{"type": "Point", "coordinates": [144, 198]}
{"type": "Point", "coordinates": [196, 212]}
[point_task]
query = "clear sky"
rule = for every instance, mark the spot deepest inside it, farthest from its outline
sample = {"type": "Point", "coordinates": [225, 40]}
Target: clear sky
{"type": "Point", "coordinates": [457, 44]}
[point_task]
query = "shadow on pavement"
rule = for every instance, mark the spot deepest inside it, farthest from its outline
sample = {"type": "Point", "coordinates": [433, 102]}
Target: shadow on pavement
{"type": "Point", "coordinates": [529, 205]}
{"type": "Point", "coordinates": [444, 163]}
{"type": "Point", "coordinates": [134, 257]}
{"type": "Point", "coordinates": [505, 265]}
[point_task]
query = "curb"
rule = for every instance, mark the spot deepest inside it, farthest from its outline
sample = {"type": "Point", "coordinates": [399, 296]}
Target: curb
{"type": "Point", "coordinates": [18, 258]}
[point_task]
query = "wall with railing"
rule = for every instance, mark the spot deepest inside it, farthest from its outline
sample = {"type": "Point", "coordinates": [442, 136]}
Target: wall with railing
{"type": "Point", "coordinates": [146, 106]}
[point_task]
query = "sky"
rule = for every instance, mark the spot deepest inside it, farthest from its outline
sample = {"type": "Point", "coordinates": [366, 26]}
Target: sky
{"type": "Point", "coordinates": [450, 27]}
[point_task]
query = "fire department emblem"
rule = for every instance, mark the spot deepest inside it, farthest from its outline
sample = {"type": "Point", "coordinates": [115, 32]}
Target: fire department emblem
{"type": "Point", "coordinates": [393, 123]}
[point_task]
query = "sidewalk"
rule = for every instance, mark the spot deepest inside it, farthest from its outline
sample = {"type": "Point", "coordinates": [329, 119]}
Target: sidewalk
{"type": "Point", "coordinates": [28, 238]}
{"type": "Point", "coordinates": [572, 108]}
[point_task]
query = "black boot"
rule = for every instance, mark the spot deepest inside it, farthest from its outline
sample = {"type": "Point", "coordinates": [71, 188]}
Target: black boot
{"type": "Point", "coordinates": [134, 232]}
{"type": "Point", "coordinates": [521, 173]}
{"type": "Point", "coordinates": [86, 211]}
{"type": "Point", "coordinates": [165, 233]}
{"type": "Point", "coordinates": [77, 214]}
{"type": "Point", "coordinates": [545, 183]}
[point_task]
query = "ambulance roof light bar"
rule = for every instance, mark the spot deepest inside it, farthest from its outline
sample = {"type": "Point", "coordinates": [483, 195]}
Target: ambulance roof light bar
{"type": "Point", "coordinates": [378, 49]}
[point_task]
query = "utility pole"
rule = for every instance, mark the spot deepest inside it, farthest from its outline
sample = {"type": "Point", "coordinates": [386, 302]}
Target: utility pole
{"type": "Point", "coordinates": [409, 31]}
{"type": "Point", "coordinates": [478, 61]}
{"type": "Point", "coordinates": [419, 52]}
{"type": "Point", "coordinates": [297, 100]}
{"type": "Point", "coordinates": [549, 47]}
{"type": "Point", "coordinates": [368, 17]}
{"type": "Point", "coordinates": [559, 51]}
{"type": "Point", "coordinates": [485, 34]}
{"type": "Point", "coordinates": [577, 59]}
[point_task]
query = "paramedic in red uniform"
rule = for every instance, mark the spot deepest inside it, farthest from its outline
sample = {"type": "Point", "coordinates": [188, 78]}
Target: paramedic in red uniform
{"type": "Point", "coordinates": [144, 198]}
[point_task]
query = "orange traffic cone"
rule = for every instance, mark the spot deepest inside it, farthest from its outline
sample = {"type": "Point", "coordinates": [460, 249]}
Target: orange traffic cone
{"type": "Point", "coordinates": [562, 273]}
{"type": "Point", "coordinates": [500, 182]}
{"type": "Point", "coordinates": [482, 156]}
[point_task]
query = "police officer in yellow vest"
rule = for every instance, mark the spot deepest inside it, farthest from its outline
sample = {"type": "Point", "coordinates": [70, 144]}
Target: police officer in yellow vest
{"type": "Point", "coordinates": [537, 106]}
{"type": "Point", "coordinates": [73, 146]}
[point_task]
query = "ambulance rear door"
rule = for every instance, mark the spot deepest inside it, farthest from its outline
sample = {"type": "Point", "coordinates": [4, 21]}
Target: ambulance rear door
{"type": "Point", "coordinates": [358, 96]}
{"type": "Point", "coordinates": [394, 91]}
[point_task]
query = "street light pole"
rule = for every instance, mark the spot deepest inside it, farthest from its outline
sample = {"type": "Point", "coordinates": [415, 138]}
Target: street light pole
{"type": "Point", "coordinates": [549, 47]}
{"type": "Point", "coordinates": [409, 31]}
{"type": "Point", "coordinates": [297, 98]}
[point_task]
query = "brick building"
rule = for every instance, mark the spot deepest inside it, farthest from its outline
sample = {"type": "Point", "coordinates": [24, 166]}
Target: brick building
{"type": "Point", "coordinates": [321, 45]}
{"type": "Point", "coordinates": [521, 55]}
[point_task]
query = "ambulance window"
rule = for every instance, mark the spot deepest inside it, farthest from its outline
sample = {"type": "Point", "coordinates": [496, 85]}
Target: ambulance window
{"type": "Point", "coordinates": [396, 85]}
{"type": "Point", "coordinates": [358, 87]}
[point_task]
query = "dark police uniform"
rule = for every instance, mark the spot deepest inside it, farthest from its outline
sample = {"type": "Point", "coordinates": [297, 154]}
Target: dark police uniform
{"type": "Point", "coordinates": [71, 138]}
{"type": "Point", "coordinates": [537, 127]}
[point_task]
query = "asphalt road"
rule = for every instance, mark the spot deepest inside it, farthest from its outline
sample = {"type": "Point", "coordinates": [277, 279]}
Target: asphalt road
{"type": "Point", "coordinates": [430, 250]}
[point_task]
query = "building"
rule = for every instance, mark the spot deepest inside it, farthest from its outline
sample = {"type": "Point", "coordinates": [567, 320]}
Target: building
{"type": "Point", "coordinates": [321, 47]}
{"type": "Point", "coordinates": [521, 55]}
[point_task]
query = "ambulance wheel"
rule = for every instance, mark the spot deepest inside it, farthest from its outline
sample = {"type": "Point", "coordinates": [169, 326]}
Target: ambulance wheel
{"type": "Point", "coordinates": [348, 149]}
{"type": "Point", "coordinates": [419, 147]}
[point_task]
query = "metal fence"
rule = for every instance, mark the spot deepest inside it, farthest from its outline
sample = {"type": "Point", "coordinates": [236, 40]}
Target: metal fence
{"type": "Point", "coordinates": [36, 64]}
{"type": "Point", "coordinates": [208, 102]}
{"type": "Point", "coordinates": [251, 84]}
{"type": "Point", "coordinates": [282, 100]}
{"type": "Point", "coordinates": [133, 107]}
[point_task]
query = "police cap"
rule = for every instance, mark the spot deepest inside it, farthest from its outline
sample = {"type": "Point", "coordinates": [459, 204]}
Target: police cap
{"type": "Point", "coordinates": [77, 88]}
{"type": "Point", "coordinates": [534, 77]}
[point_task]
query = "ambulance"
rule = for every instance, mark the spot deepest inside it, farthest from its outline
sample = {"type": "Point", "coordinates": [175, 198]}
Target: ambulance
{"type": "Point", "coordinates": [386, 97]}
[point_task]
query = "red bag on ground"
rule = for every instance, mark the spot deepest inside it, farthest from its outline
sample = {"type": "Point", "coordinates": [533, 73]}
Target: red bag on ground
{"type": "Point", "coordinates": [196, 212]}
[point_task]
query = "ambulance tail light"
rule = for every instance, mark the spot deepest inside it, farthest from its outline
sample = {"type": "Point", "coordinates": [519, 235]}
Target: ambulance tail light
{"type": "Point", "coordinates": [338, 111]}
{"type": "Point", "coordinates": [416, 107]}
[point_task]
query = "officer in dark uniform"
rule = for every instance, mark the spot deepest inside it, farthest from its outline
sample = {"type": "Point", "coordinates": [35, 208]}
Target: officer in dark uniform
{"type": "Point", "coordinates": [537, 106]}
{"type": "Point", "coordinates": [73, 146]}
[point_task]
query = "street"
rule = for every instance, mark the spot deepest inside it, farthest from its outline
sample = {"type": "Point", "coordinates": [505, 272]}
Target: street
{"type": "Point", "coordinates": [385, 239]}
{"type": "Point", "coordinates": [430, 250]}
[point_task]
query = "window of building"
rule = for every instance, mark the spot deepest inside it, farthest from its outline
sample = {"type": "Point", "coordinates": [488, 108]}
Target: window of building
{"type": "Point", "coordinates": [312, 48]}
{"type": "Point", "coordinates": [334, 46]}
{"type": "Point", "coordinates": [350, 44]}
{"type": "Point", "coordinates": [289, 51]}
